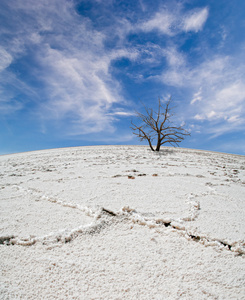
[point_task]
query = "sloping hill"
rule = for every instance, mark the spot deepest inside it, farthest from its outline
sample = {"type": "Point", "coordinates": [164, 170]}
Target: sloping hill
{"type": "Point", "coordinates": [122, 222]}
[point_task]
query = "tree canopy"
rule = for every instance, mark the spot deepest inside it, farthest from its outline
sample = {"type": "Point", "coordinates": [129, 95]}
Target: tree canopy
{"type": "Point", "coordinates": [157, 125]}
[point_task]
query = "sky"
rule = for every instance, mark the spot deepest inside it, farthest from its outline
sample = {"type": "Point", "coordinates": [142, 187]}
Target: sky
{"type": "Point", "coordinates": [73, 73]}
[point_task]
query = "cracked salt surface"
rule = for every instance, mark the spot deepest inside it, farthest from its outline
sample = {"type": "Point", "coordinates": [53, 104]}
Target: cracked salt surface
{"type": "Point", "coordinates": [122, 222]}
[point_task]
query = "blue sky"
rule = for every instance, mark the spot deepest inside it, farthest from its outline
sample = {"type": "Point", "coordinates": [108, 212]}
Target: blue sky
{"type": "Point", "coordinates": [73, 73]}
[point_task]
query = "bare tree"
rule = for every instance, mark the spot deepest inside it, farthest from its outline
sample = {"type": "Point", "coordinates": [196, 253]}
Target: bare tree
{"type": "Point", "coordinates": [157, 125]}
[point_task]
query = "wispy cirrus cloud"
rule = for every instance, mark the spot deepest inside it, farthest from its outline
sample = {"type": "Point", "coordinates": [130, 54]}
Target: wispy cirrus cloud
{"type": "Point", "coordinates": [197, 96]}
{"type": "Point", "coordinates": [221, 99]}
{"type": "Point", "coordinates": [5, 59]}
{"type": "Point", "coordinates": [195, 20]}
{"type": "Point", "coordinates": [216, 82]}
{"type": "Point", "coordinates": [170, 23]}
{"type": "Point", "coordinates": [69, 63]}
{"type": "Point", "coordinates": [73, 68]}
{"type": "Point", "coordinates": [82, 86]}
{"type": "Point", "coordinates": [161, 21]}
{"type": "Point", "coordinates": [217, 86]}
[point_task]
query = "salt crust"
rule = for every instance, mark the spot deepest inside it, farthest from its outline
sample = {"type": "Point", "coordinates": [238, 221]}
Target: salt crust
{"type": "Point", "coordinates": [95, 234]}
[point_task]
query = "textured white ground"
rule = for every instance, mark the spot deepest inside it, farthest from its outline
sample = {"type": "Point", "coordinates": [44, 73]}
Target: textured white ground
{"type": "Point", "coordinates": [122, 222]}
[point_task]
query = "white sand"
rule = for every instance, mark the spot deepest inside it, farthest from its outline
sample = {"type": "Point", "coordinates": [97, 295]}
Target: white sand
{"type": "Point", "coordinates": [74, 226]}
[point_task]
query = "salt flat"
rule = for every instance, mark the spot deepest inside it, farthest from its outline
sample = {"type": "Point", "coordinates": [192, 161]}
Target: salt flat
{"type": "Point", "coordinates": [122, 222]}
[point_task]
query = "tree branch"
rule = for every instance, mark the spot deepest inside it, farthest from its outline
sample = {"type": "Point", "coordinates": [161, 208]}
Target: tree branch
{"type": "Point", "coordinates": [155, 122]}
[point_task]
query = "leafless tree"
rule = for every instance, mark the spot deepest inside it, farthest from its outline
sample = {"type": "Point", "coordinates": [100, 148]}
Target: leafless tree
{"type": "Point", "coordinates": [157, 125]}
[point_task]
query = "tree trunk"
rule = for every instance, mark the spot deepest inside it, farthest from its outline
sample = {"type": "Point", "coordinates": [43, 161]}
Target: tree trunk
{"type": "Point", "coordinates": [158, 142]}
{"type": "Point", "coordinates": [151, 146]}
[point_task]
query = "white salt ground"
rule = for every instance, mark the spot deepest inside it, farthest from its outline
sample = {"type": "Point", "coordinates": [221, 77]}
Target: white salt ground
{"type": "Point", "coordinates": [94, 223]}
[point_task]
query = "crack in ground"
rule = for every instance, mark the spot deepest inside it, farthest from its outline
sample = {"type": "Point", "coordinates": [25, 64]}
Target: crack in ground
{"type": "Point", "coordinates": [125, 214]}
{"type": "Point", "coordinates": [65, 236]}
{"type": "Point", "coordinates": [236, 247]}
{"type": "Point", "coordinates": [5, 239]}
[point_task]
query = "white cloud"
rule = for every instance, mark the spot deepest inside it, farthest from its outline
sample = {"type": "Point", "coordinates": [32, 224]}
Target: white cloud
{"type": "Point", "coordinates": [123, 113]}
{"type": "Point", "coordinates": [232, 95]}
{"type": "Point", "coordinates": [5, 59]}
{"type": "Point", "coordinates": [73, 66]}
{"type": "Point", "coordinates": [172, 77]}
{"type": "Point", "coordinates": [211, 114]}
{"type": "Point", "coordinates": [162, 21]}
{"type": "Point", "coordinates": [197, 96]}
{"type": "Point", "coordinates": [9, 106]}
{"type": "Point", "coordinates": [224, 104]}
{"type": "Point", "coordinates": [209, 72]}
{"type": "Point", "coordinates": [195, 20]}
{"type": "Point", "coordinates": [142, 5]}
{"type": "Point", "coordinates": [11, 86]}
{"type": "Point", "coordinates": [80, 85]}
{"type": "Point", "coordinates": [170, 23]}
{"type": "Point", "coordinates": [217, 86]}
{"type": "Point", "coordinates": [198, 117]}
{"type": "Point", "coordinates": [223, 108]}
{"type": "Point", "coordinates": [70, 62]}
{"type": "Point", "coordinates": [174, 58]}
{"type": "Point", "coordinates": [234, 119]}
